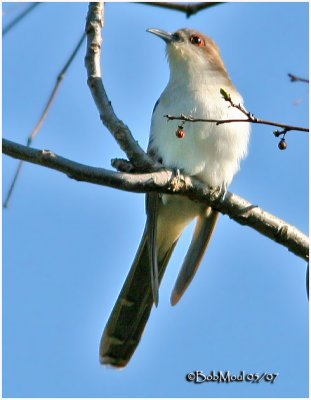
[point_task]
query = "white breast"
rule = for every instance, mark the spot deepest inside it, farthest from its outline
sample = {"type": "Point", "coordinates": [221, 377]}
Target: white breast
{"type": "Point", "coordinates": [209, 151]}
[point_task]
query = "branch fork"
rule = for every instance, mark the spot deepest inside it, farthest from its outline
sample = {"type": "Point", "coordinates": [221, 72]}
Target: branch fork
{"type": "Point", "coordinates": [162, 180]}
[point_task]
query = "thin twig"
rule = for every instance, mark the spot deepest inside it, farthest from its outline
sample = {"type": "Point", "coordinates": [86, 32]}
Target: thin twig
{"type": "Point", "coordinates": [166, 181]}
{"type": "Point", "coordinates": [44, 114]}
{"type": "Point", "coordinates": [249, 118]}
{"type": "Point", "coordinates": [19, 18]}
{"type": "Point", "coordinates": [121, 133]}
{"type": "Point", "coordinates": [189, 8]}
{"type": "Point", "coordinates": [189, 118]}
{"type": "Point", "coordinates": [59, 80]}
{"type": "Point", "coordinates": [294, 78]}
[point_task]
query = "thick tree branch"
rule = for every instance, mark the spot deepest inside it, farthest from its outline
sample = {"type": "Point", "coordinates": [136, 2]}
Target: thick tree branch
{"type": "Point", "coordinates": [122, 134]}
{"type": "Point", "coordinates": [163, 181]}
{"type": "Point", "coordinates": [166, 181]}
{"type": "Point", "coordinates": [189, 8]}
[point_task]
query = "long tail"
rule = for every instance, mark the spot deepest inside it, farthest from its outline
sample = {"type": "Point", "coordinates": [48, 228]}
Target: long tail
{"type": "Point", "coordinates": [206, 223]}
{"type": "Point", "coordinates": [132, 309]}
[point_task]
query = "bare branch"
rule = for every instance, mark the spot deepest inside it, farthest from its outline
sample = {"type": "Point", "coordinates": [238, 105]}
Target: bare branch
{"type": "Point", "coordinates": [19, 18]}
{"type": "Point", "coordinates": [122, 134]}
{"type": "Point", "coordinates": [44, 114]}
{"type": "Point", "coordinates": [294, 78]}
{"type": "Point", "coordinates": [254, 120]}
{"type": "Point", "coordinates": [59, 80]}
{"type": "Point", "coordinates": [189, 8]}
{"type": "Point", "coordinates": [166, 181]}
{"type": "Point", "coordinates": [249, 118]}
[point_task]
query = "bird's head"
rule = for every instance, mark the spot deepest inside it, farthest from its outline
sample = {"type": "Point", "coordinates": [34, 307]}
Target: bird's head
{"type": "Point", "coordinates": [191, 51]}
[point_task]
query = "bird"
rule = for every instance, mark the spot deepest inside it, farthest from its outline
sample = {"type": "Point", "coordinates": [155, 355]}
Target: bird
{"type": "Point", "coordinates": [207, 151]}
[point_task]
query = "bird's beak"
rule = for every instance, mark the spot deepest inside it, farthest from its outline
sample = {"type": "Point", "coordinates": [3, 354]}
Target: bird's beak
{"type": "Point", "coordinates": [166, 36]}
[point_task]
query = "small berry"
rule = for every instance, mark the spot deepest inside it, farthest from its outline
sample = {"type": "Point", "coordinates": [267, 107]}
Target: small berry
{"type": "Point", "coordinates": [282, 144]}
{"type": "Point", "coordinates": [180, 133]}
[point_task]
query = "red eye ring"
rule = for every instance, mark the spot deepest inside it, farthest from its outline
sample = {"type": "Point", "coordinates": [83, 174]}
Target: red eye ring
{"type": "Point", "coordinates": [197, 40]}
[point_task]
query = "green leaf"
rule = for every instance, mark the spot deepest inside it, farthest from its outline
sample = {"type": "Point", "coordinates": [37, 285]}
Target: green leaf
{"type": "Point", "coordinates": [225, 94]}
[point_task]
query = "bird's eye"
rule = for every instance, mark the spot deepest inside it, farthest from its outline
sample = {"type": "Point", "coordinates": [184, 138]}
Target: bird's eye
{"type": "Point", "coordinates": [197, 40]}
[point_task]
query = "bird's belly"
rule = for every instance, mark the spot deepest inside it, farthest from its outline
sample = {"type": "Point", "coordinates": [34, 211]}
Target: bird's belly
{"type": "Point", "coordinates": [206, 150]}
{"type": "Point", "coordinates": [175, 213]}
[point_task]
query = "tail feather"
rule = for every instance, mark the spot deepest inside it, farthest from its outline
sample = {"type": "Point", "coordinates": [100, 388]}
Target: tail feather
{"type": "Point", "coordinates": [132, 309]}
{"type": "Point", "coordinates": [205, 226]}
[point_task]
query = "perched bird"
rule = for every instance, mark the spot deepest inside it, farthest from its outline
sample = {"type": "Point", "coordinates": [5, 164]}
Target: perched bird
{"type": "Point", "coordinates": [210, 152]}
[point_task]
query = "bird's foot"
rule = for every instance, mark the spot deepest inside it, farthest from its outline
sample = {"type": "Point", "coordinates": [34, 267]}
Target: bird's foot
{"type": "Point", "coordinates": [177, 179]}
{"type": "Point", "coordinates": [218, 193]}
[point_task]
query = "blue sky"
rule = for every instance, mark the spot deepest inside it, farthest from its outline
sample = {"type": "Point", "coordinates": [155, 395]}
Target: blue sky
{"type": "Point", "coordinates": [67, 246]}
